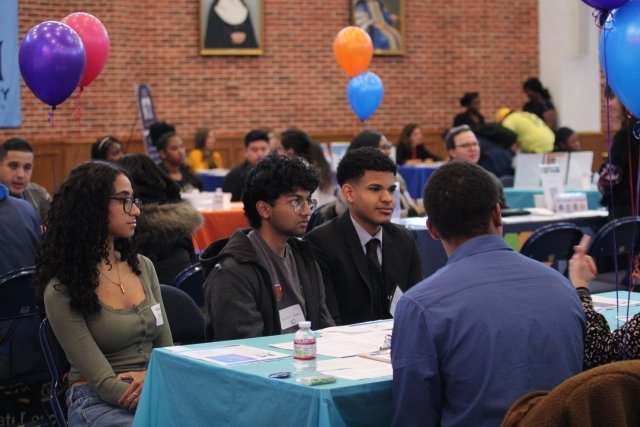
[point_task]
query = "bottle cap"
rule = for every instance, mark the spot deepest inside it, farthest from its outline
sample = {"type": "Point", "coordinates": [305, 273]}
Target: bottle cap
{"type": "Point", "coordinates": [304, 325]}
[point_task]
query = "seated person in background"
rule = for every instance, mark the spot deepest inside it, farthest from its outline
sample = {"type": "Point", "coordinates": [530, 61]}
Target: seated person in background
{"type": "Point", "coordinates": [16, 167]}
{"type": "Point", "coordinates": [411, 149]}
{"type": "Point", "coordinates": [365, 258]}
{"type": "Point", "coordinates": [371, 138]}
{"type": "Point", "coordinates": [107, 148]}
{"type": "Point", "coordinates": [296, 142]}
{"type": "Point", "coordinates": [601, 346]}
{"type": "Point", "coordinates": [534, 136]}
{"type": "Point", "coordinates": [539, 102]}
{"type": "Point", "coordinates": [471, 116]}
{"type": "Point", "coordinates": [102, 298]}
{"type": "Point", "coordinates": [488, 327]}
{"type": "Point", "coordinates": [166, 223]}
{"type": "Point", "coordinates": [172, 152]}
{"type": "Point", "coordinates": [497, 146]}
{"type": "Point", "coordinates": [463, 145]}
{"type": "Point", "coordinates": [202, 157]}
{"type": "Point", "coordinates": [567, 140]}
{"type": "Point", "coordinates": [263, 280]}
{"type": "Point", "coordinates": [256, 146]}
{"type": "Point", "coordinates": [19, 236]}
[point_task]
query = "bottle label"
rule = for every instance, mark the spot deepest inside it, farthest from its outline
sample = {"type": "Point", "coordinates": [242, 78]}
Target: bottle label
{"type": "Point", "coordinates": [304, 349]}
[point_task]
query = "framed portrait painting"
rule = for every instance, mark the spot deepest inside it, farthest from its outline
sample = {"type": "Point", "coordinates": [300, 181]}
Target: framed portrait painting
{"type": "Point", "coordinates": [384, 21]}
{"type": "Point", "coordinates": [231, 27]}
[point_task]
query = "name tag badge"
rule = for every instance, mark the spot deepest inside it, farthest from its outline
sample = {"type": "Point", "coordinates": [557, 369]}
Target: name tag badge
{"type": "Point", "coordinates": [291, 316]}
{"type": "Point", "coordinates": [394, 301]}
{"type": "Point", "coordinates": [157, 312]}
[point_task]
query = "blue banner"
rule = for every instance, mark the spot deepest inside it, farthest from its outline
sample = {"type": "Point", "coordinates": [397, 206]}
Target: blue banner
{"type": "Point", "coordinates": [9, 70]}
{"type": "Point", "coordinates": [147, 116]}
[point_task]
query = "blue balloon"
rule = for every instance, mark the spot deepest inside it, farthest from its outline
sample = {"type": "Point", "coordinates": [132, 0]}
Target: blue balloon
{"type": "Point", "coordinates": [620, 54]}
{"type": "Point", "coordinates": [365, 93]}
{"type": "Point", "coordinates": [52, 60]}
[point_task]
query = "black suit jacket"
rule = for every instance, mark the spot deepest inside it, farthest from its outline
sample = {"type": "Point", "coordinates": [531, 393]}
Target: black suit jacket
{"type": "Point", "coordinates": [349, 291]}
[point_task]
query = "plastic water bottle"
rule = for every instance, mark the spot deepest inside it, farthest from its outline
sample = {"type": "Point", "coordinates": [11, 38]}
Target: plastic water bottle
{"type": "Point", "coordinates": [397, 207]}
{"type": "Point", "coordinates": [304, 351]}
{"type": "Point", "coordinates": [218, 199]}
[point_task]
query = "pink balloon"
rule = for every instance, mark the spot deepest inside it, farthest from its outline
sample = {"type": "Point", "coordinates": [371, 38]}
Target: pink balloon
{"type": "Point", "coordinates": [95, 38]}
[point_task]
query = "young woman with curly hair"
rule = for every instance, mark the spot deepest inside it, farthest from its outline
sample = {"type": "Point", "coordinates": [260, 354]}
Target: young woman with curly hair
{"type": "Point", "coordinates": [102, 298]}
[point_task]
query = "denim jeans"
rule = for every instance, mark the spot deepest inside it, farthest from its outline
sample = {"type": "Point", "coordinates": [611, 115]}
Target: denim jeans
{"type": "Point", "coordinates": [87, 409]}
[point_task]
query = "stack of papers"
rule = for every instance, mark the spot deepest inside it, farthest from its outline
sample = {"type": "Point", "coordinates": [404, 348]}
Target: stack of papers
{"type": "Point", "coordinates": [233, 355]}
{"type": "Point", "coordinates": [355, 368]}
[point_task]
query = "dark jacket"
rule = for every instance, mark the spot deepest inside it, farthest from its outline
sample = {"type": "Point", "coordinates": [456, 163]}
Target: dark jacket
{"type": "Point", "coordinates": [404, 152]}
{"type": "Point", "coordinates": [164, 236]}
{"type": "Point", "coordinates": [347, 280]}
{"type": "Point", "coordinates": [234, 180]}
{"type": "Point", "coordinates": [239, 295]}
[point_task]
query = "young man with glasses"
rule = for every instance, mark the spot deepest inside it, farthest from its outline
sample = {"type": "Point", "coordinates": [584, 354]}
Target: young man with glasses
{"type": "Point", "coordinates": [463, 145]}
{"type": "Point", "coordinates": [363, 256]}
{"type": "Point", "coordinates": [264, 280]}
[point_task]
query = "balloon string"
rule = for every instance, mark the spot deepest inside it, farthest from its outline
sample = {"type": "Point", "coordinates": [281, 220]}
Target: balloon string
{"type": "Point", "coordinates": [77, 110]}
{"type": "Point", "coordinates": [50, 115]}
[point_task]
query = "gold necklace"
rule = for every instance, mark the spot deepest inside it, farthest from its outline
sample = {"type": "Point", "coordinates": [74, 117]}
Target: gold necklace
{"type": "Point", "coordinates": [119, 282]}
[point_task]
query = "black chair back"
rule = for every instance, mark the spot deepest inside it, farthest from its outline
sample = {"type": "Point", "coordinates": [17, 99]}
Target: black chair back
{"type": "Point", "coordinates": [185, 318]}
{"type": "Point", "coordinates": [552, 244]}
{"type": "Point", "coordinates": [17, 294]}
{"type": "Point", "coordinates": [58, 366]}
{"type": "Point", "coordinates": [191, 281]}
{"type": "Point", "coordinates": [321, 215]}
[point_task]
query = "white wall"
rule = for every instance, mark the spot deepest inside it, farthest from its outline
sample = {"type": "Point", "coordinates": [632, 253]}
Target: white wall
{"type": "Point", "coordinates": [569, 64]}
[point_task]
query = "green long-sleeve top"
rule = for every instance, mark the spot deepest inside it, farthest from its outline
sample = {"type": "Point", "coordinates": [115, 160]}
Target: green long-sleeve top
{"type": "Point", "coordinates": [103, 344]}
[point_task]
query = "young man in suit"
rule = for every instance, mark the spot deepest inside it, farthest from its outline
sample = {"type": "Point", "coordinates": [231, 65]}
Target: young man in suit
{"type": "Point", "coordinates": [364, 258]}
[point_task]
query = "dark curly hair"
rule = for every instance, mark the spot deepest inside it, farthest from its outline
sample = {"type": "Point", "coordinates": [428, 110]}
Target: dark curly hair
{"type": "Point", "coordinates": [273, 177]}
{"type": "Point", "coordinates": [356, 162]}
{"type": "Point", "coordinates": [75, 235]}
{"type": "Point", "coordinates": [459, 198]}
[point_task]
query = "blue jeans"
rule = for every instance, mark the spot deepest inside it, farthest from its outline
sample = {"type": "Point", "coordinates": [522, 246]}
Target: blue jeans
{"type": "Point", "coordinates": [87, 409]}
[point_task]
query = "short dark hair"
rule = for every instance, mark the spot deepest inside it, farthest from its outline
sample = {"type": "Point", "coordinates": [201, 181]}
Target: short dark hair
{"type": "Point", "coordinates": [458, 198]}
{"type": "Point", "coordinates": [14, 144]}
{"type": "Point", "coordinates": [468, 98]}
{"type": "Point", "coordinates": [366, 138]}
{"type": "Point", "coordinates": [100, 148]}
{"type": "Point", "coordinates": [356, 162]}
{"type": "Point", "coordinates": [157, 129]}
{"type": "Point", "coordinates": [255, 135]}
{"type": "Point", "coordinates": [562, 135]}
{"type": "Point", "coordinates": [272, 177]}
{"type": "Point", "coordinates": [450, 136]}
{"type": "Point", "coordinates": [162, 142]}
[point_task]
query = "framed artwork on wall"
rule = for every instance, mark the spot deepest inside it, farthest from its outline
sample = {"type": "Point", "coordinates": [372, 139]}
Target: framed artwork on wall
{"type": "Point", "coordinates": [231, 27]}
{"type": "Point", "coordinates": [384, 20]}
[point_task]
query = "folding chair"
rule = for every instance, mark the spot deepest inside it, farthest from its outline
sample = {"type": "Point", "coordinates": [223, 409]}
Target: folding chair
{"type": "Point", "coordinates": [58, 366]}
{"type": "Point", "coordinates": [185, 318]}
{"type": "Point", "coordinates": [191, 280]}
{"type": "Point", "coordinates": [553, 244]}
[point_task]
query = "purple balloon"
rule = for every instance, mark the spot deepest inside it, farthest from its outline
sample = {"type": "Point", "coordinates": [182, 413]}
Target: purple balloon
{"type": "Point", "coordinates": [605, 4]}
{"type": "Point", "coordinates": [52, 60]}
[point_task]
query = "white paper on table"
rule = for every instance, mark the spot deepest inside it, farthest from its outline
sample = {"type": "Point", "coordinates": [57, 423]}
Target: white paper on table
{"type": "Point", "coordinates": [232, 355]}
{"type": "Point", "coordinates": [355, 368]}
{"type": "Point", "coordinates": [178, 348]}
{"type": "Point", "coordinates": [602, 303]}
{"type": "Point", "coordinates": [349, 340]}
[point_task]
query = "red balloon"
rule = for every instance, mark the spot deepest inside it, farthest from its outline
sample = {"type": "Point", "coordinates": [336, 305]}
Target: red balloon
{"type": "Point", "coordinates": [95, 38]}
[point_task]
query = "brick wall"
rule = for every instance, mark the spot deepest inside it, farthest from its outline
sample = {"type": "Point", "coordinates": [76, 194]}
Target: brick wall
{"type": "Point", "coordinates": [452, 47]}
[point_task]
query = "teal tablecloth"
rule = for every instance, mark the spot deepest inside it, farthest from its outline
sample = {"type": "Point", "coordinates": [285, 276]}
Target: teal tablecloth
{"type": "Point", "coordinates": [518, 199]}
{"type": "Point", "coordinates": [181, 391]}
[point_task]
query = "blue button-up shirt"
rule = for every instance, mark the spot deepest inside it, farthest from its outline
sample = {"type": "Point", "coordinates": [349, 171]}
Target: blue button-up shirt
{"type": "Point", "coordinates": [489, 327]}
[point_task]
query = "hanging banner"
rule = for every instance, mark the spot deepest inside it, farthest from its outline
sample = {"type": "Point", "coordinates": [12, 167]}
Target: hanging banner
{"type": "Point", "coordinates": [9, 71]}
{"type": "Point", "coordinates": [147, 116]}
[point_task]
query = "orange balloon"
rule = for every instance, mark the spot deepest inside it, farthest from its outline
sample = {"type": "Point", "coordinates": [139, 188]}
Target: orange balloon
{"type": "Point", "coordinates": [353, 49]}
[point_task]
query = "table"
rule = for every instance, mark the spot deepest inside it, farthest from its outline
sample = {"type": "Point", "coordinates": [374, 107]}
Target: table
{"type": "Point", "coordinates": [417, 176]}
{"type": "Point", "coordinates": [523, 198]}
{"type": "Point", "coordinates": [516, 228]}
{"type": "Point", "coordinates": [181, 391]}
{"type": "Point", "coordinates": [212, 178]}
{"type": "Point", "coordinates": [219, 224]}
{"type": "Point", "coordinates": [611, 314]}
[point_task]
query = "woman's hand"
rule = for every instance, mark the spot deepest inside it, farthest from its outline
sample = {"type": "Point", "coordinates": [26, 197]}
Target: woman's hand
{"type": "Point", "coordinates": [582, 269]}
{"type": "Point", "coordinates": [129, 400]}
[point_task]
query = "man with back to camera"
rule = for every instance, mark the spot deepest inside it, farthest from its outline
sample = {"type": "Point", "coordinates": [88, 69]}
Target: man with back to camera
{"type": "Point", "coordinates": [462, 144]}
{"type": "Point", "coordinates": [16, 167]}
{"type": "Point", "coordinates": [488, 327]}
{"type": "Point", "coordinates": [256, 146]}
{"type": "Point", "coordinates": [264, 280]}
{"type": "Point", "coordinates": [363, 256]}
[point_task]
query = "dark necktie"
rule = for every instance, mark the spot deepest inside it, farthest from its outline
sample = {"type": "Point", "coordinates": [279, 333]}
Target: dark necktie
{"type": "Point", "coordinates": [375, 270]}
